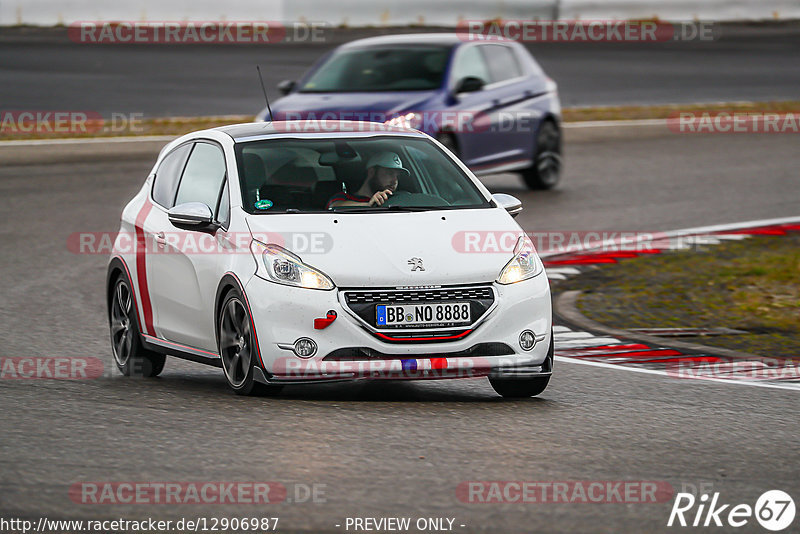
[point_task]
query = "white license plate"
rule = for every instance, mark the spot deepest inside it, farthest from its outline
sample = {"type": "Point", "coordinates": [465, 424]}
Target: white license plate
{"type": "Point", "coordinates": [429, 313]}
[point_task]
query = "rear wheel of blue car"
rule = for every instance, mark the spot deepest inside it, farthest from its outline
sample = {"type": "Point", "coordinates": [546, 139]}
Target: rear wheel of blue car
{"type": "Point", "coordinates": [237, 349]}
{"type": "Point", "coordinates": [546, 170]}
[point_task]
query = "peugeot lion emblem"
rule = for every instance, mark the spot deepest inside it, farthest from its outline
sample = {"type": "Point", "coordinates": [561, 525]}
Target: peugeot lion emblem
{"type": "Point", "coordinates": [416, 264]}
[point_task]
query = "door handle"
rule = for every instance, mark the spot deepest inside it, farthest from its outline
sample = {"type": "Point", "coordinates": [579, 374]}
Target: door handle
{"type": "Point", "coordinates": [161, 239]}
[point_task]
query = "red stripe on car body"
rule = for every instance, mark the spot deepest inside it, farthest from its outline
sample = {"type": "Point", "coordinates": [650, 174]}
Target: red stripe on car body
{"type": "Point", "coordinates": [141, 266]}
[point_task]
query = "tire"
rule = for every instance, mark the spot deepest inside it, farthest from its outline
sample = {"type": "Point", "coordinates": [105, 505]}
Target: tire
{"type": "Point", "coordinates": [520, 388]}
{"type": "Point", "coordinates": [546, 170]}
{"type": "Point", "coordinates": [130, 357]}
{"type": "Point", "coordinates": [514, 388]}
{"type": "Point", "coordinates": [237, 349]}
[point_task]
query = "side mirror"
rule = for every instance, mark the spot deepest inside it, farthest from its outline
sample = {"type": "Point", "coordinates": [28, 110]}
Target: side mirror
{"type": "Point", "coordinates": [512, 205]}
{"type": "Point", "coordinates": [192, 216]}
{"type": "Point", "coordinates": [286, 86]}
{"type": "Point", "coordinates": [470, 84]}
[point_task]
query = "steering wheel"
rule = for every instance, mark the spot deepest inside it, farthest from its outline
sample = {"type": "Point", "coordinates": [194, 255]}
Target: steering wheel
{"type": "Point", "coordinates": [397, 196]}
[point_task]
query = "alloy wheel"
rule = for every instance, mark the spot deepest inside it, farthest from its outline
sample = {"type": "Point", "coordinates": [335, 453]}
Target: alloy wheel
{"type": "Point", "coordinates": [235, 343]}
{"type": "Point", "coordinates": [121, 325]}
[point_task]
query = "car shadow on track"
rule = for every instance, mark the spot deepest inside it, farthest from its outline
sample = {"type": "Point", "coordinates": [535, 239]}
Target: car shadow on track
{"type": "Point", "coordinates": [208, 385]}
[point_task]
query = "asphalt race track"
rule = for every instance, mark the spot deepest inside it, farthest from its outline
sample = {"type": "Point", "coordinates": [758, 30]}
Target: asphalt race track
{"type": "Point", "coordinates": [387, 449]}
{"type": "Point", "coordinates": [44, 70]}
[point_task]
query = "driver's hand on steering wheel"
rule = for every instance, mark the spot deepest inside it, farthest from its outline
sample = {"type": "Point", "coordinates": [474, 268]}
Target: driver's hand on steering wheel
{"type": "Point", "coordinates": [380, 197]}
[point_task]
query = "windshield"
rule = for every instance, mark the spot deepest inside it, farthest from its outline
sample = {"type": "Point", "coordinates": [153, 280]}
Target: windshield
{"type": "Point", "coordinates": [412, 68]}
{"type": "Point", "coordinates": [314, 175]}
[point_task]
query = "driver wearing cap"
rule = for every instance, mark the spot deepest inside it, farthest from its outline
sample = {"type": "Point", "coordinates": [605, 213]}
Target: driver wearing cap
{"type": "Point", "coordinates": [383, 171]}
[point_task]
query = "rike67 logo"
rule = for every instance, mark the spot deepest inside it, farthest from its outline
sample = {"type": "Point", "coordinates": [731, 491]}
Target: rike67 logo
{"type": "Point", "coordinates": [774, 510]}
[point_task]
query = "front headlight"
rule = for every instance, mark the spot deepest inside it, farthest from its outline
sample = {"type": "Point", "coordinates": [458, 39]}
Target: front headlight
{"type": "Point", "coordinates": [278, 265]}
{"type": "Point", "coordinates": [524, 265]}
{"type": "Point", "coordinates": [408, 120]}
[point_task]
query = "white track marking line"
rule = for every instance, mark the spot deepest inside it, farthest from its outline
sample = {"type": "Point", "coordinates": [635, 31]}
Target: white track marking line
{"type": "Point", "coordinates": [235, 119]}
{"type": "Point", "coordinates": [586, 343]}
{"type": "Point", "coordinates": [89, 141]}
{"type": "Point", "coordinates": [627, 122]}
{"type": "Point", "coordinates": [563, 359]}
{"type": "Point", "coordinates": [562, 270]}
{"type": "Point", "coordinates": [732, 237]}
{"type": "Point", "coordinates": [721, 228]}
{"type": "Point", "coordinates": [573, 335]}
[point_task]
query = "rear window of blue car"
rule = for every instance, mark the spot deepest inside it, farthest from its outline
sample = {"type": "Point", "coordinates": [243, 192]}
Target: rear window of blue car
{"type": "Point", "coordinates": [409, 68]}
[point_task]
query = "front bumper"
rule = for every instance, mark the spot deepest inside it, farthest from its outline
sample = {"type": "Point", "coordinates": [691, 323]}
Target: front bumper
{"type": "Point", "coordinates": [282, 314]}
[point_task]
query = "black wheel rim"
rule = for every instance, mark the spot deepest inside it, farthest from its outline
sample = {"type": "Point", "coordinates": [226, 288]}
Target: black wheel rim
{"type": "Point", "coordinates": [121, 324]}
{"type": "Point", "coordinates": [548, 156]}
{"type": "Point", "coordinates": [235, 342]}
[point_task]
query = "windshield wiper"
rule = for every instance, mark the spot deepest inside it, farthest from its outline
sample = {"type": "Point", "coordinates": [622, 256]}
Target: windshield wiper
{"type": "Point", "coordinates": [376, 209]}
{"type": "Point", "coordinates": [405, 208]}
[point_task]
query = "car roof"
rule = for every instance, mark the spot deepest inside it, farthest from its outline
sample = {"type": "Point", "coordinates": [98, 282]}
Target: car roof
{"type": "Point", "coordinates": [306, 128]}
{"type": "Point", "coordinates": [448, 39]}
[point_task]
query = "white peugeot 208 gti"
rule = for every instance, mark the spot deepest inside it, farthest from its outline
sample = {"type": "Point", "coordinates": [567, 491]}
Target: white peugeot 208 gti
{"type": "Point", "coordinates": [300, 253]}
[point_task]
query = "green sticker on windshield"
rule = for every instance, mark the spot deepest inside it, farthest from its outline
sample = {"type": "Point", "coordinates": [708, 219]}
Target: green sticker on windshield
{"type": "Point", "coordinates": [263, 204]}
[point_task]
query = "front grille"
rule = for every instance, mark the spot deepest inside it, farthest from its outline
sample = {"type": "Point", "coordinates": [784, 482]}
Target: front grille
{"type": "Point", "coordinates": [410, 296]}
{"type": "Point", "coordinates": [362, 302]}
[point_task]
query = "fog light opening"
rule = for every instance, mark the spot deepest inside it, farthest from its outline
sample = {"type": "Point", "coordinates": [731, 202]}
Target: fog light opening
{"type": "Point", "coordinates": [527, 340]}
{"type": "Point", "coordinates": [305, 347]}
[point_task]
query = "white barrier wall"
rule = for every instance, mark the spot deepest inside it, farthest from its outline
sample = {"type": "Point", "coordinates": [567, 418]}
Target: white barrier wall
{"type": "Point", "coordinates": [49, 12]}
{"type": "Point", "coordinates": [423, 12]}
{"type": "Point", "coordinates": [681, 9]}
{"type": "Point", "coordinates": [388, 12]}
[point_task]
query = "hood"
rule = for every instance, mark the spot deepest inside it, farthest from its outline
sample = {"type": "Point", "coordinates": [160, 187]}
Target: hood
{"type": "Point", "coordinates": [301, 106]}
{"type": "Point", "coordinates": [374, 250]}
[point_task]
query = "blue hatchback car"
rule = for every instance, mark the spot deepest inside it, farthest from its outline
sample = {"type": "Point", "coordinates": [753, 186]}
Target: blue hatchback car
{"type": "Point", "coordinates": [487, 101]}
